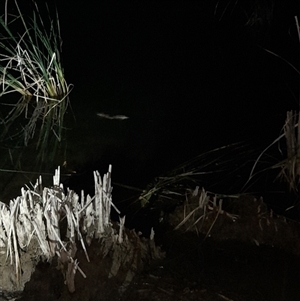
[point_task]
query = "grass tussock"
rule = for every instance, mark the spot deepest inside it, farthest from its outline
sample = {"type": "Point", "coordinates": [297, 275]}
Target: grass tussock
{"type": "Point", "coordinates": [31, 67]}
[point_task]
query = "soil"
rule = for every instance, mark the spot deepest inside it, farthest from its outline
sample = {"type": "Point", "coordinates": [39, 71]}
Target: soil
{"type": "Point", "coordinates": [196, 266]}
{"type": "Point", "coordinates": [191, 271]}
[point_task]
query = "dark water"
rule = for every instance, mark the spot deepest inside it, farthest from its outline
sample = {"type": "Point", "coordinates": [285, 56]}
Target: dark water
{"type": "Point", "coordinates": [188, 80]}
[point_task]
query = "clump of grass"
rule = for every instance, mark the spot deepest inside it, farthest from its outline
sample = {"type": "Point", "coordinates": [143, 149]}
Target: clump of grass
{"type": "Point", "coordinates": [211, 169]}
{"type": "Point", "coordinates": [290, 165]}
{"type": "Point", "coordinates": [290, 168]}
{"type": "Point", "coordinates": [30, 65]}
{"type": "Point", "coordinates": [44, 223]}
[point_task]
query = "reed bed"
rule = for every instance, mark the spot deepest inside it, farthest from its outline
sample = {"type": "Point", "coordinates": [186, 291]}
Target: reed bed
{"type": "Point", "coordinates": [31, 66]}
{"type": "Point", "coordinates": [211, 169]}
{"type": "Point", "coordinates": [289, 165]}
{"type": "Point", "coordinates": [48, 222]}
{"type": "Point", "coordinates": [35, 219]}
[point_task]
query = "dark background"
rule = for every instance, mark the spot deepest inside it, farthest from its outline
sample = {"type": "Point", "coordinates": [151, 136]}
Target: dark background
{"type": "Point", "coordinates": [183, 60]}
{"type": "Point", "coordinates": [191, 75]}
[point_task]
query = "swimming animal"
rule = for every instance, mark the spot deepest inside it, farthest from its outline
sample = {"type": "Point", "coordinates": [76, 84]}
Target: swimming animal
{"type": "Point", "coordinates": [115, 117]}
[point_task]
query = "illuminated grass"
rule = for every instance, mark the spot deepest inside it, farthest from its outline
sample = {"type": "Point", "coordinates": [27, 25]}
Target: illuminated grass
{"type": "Point", "coordinates": [31, 66]}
